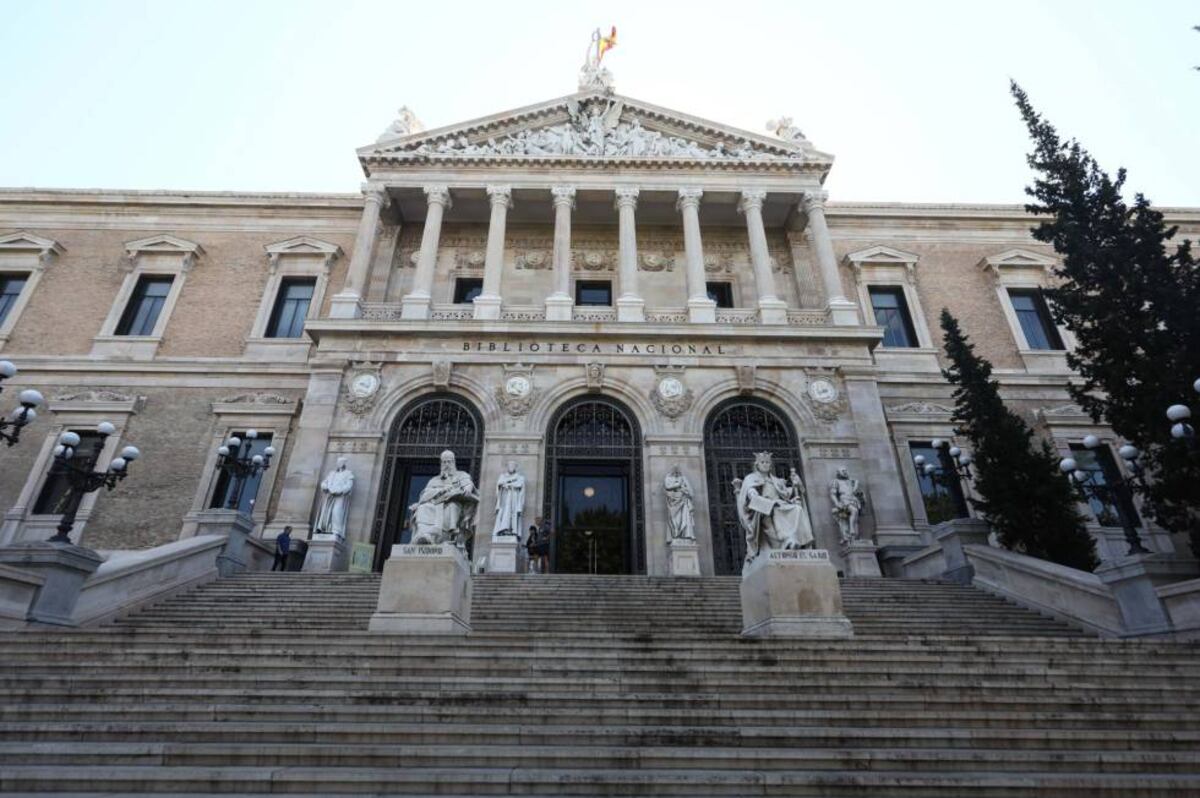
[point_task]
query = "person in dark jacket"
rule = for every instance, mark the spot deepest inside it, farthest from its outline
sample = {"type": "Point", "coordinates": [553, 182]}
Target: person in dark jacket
{"type": "Point", "coordinates": [283, 545]}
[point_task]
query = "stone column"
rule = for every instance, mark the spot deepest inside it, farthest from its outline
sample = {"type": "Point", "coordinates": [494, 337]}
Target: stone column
{"type": "Point", "coordinates": [487, 304]}
{"type": "Point", "coordinates": [841, 310]}
{"type": "Point", "coordinates": [771, 309]}
{"type": "Point", "coordinates": [559, 304]}
{"type": "Point", "coordinates": [417, 303]}
{"type": "Point", "coordinates": [344, 304]}
{"type": "Point", "coordinates": [701, 309]}
{"type": "Point", "coordinates": [630, 305]}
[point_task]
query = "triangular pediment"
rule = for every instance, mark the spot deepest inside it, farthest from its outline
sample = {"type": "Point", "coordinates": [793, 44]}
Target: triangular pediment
{"type": "Point", "coordinates": [163, 243]}
{"type": "Point", "coordinates": [1017, 259]}
{"type": "Point", "coordinates": [595, 126]}
{"type": "Point", "coordinates": [882, 254]}
{"type": "Point", "coordinates": [23, 241]}
{"type": "Point", "coordinates": [304, 245]}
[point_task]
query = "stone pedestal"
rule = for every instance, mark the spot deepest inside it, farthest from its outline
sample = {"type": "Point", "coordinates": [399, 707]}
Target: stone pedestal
{"type": "Point", "coordinates": [63, 568]}
{"type": "Point", "coordinates": [344, 305]}
{"type": "Point", "coordinates": [235, 527]}
{"type": "Point", "coordinates": [861, 559]}
{"type": "Point", "coordinates": [487, 307]}
{"type": "Point", "coordinates": [415, 306]}
{"type": "Point", "coordinates": [426, 590]}
{"type": "Point", "coordinates": [685, 558]}
{"type": "Point", "coordinates": [772, 311]}
{"type": "Point", "coordinates": [842, 313]}
{"type": "Point", "coordinates": [1132, 581]}
{"type": "Point", "coordinates": [793, 594]}
{"type": "Point", "coordinates": [631, 308]}
{"type": "Point", "coordinates": [702, 311]}
{"type": "Point", "coordinates": [952, 536]}
{"type": "Point", "coordinates": [326, 553]}
{"type": "Point", "coordinates": [558, 307]}
{"type": "Point", "coordinates": [502, 558]}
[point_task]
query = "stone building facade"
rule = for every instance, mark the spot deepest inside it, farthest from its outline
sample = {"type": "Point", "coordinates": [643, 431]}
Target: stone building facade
{"type": "Point", "coordinates": [595, 288]}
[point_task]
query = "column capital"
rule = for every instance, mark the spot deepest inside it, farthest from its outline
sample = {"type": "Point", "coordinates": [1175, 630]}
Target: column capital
{"type": "Point", "coordinates": [626, 197]}
{"type": "Point", "coordinates": [376, 193]}
{"type": "Point", "coordinates": [688, 198]}
{"type": "Point", "coordinates": [500, 195]}
{"type": "Point", "coordinates": [563, 195]}
{"type": "Point", "coordinates": [814, 200]}
{"type": "Point", "coordinates": [751, 198]}
{"type": "Point", "coordinates": [438, 195]}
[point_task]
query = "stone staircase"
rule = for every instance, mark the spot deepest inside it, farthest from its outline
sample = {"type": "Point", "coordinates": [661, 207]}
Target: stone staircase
{"type": "Point", "coordinates": [588, 686]}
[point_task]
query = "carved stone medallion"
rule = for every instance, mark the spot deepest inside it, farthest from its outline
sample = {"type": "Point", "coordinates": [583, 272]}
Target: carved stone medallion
{"type": "Point", "coordinates": [362, 388]}
{"type": "Point", "coordinates": [595, 376]}
{"type": "Point", "coordinates": [825, 399]}
{"type": "Point", "coordinates": [671, 396]}
{"type": "Point", "coordinates": [516, 391]}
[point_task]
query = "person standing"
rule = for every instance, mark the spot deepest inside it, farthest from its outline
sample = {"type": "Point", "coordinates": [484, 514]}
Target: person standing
{"type": "Point", "coordinates": [283, 546]}
{"type": "Point", "coordinates": [531, 547]}
{"type": "Point", "coordinates": [541, 551]}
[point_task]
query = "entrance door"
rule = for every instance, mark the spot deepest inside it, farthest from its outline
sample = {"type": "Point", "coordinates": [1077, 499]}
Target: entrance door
{"type": "Point", "coordinates": [592, 520]}
{"type": "Point", "coordinates": [410, 478]}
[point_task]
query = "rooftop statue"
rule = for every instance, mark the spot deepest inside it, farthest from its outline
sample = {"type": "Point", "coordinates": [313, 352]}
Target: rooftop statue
{"type": "Point", "coordinates": [406, 123]}
{"type": "Point", "coordinates": [592, 76]}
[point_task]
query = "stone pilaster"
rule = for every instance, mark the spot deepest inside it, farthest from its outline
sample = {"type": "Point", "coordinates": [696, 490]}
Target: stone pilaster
{"type": "Point", "coordinates": [771, 309]}
{"type": "Point", "coordinates": [487, 304]}
{"type": "Point", "coordinates": [416, 304]}
{"type": "Point", "coordinates": [630, 305]}
{"type": "Point", "coordinates": [344, 305]}
{"type": "Point", "coordinates": [559, 304]}
{"type": "Point", "coordinates": [885, 492]}
{"type": "Point", "coordinates": [841, 310]}
{"type": "Point", "coordinates": [701, 309]}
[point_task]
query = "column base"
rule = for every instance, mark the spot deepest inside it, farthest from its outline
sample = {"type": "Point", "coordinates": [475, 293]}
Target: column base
{"type": "Point", "coordinates": [772, 311]}
{"type": "Point", "coordinates": [860, 559]}
{"type": "Point", "coordinates": [842, 312]}
{"type": "Point", "coordinates": [344, 306]}
{"type": "Point", "coordinates": [1132, 581]}
{"type": "Point", "coordinates": [702, 311]}
{"type": "Point", "coordinates": [426, 590]}
{"type": "Point", "coordinates": [631, 308]}
{"type": "Point", "coordinates": [793, 594]}
{"type": "Point", "coordinates": [326, 554]}
{"type": "Point", "coordinates": [502, 556]}
{"type": "Point", "coordinates": [558, 307]}
{"type": "Point", "coordinates": [415, 306]}
{"type": "Point", "coordinates": [685, 558]}
{"type": "Point", "coordinates": [63, 567]}
{"type": "Point", "coordinates": [487, 307]}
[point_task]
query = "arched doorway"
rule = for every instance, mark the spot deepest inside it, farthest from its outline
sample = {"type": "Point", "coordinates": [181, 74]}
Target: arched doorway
{"type": "Point", "coordinates": [735, 430]}
{"type": "Point", "coordinates": [421, 432]}
{"type": "Point", "coordinates": [593, 491]}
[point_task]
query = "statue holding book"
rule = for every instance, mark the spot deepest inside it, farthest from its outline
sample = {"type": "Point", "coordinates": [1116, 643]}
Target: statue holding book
{"type": "Point", "coordinates": [773, 510]}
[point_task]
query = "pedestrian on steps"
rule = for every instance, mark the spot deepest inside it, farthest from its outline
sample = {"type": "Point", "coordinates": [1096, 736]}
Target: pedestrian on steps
{"type": "Point", "coordinates": [530, 546]}
{"type": "Point", "coordinates": [543, 534]}
{"type": "Point", "coordinates": [283, 546]}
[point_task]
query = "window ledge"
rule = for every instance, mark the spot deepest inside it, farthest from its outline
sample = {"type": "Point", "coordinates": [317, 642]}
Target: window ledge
{"type": "Point", "coordinates": [1045, 361]}
{"type": "Point", "coordinates": [284, 349]}
{"type": "Point", "coordinates": [130, 347]}
{"type": "Point", "coordinates": [908, 358]}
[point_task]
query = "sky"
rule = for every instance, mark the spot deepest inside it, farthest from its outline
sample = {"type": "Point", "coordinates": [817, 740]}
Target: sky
{"type": "Point", "coordinates": [911, 98]}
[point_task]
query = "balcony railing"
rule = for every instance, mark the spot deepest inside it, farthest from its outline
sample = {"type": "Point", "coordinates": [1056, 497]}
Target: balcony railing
{"type": "Point", "coordinates": [390, 311]}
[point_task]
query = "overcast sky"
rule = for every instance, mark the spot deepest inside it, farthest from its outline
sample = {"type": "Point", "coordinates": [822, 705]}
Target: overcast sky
{"type": "Point", "coordinates": [911, 98]}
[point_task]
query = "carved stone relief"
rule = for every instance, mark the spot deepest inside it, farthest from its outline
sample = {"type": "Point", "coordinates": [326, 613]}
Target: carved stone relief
{"type": "Point", "coordinates": [595, 376]}
{"type": "Point", "coordinates": [656, 261]}
{"type": "Point", "coordinates": [362, 388]}
{"type": "Point", "coordinates": [670, 395]}
{"type": "Point", "coordinates": [441, 373]}
{"type": "Point", "coordinates": [516, 391]}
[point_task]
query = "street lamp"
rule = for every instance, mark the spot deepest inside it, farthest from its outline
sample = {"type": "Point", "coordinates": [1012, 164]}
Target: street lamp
{"type": "Point", "coordinates": [234, 458]}
{"type": "Point", "coordinates": [10, 428]}
{"type": "Point", "coordinates": [1179, 415]}
{"type": "Point", "coordinates": [81, 479]}
{"type": "Point", "coordinates": [958, 458]}
{"type": "Point", "coordinates": [1090, 487]}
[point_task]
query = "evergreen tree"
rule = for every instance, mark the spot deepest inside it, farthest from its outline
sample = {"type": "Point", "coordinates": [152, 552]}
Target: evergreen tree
{"type": "Point", "coordinates": [1132, 301]}
{"type": "Point", "coordinates": [1025, 497]}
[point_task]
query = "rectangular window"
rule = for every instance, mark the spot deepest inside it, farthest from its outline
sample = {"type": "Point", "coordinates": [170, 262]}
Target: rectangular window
{"type": "Point", "coordinates": [54, 492]}
{"type": "Point", "coordinates": [291, 307]}
{"type": "Point", "coordinates": [1114, 500]}
{"type": "Point", "coordinates": [593, 292]}
{"type": "Point", "coordinates": [1034, 316]}
{"type": "Point", "coordinates": [891, 313]}
{"type": "Point", "coordinates": [225, 486]}
{"type": "Point", "coordinates": [941, 490]}
{"type": "Point", "coordinates": [466, 289]}
{"type": "Point", "coordinates": [721, 293]}
{"type": "Point", "coordinates": [10, 289]}
{"type": "Point", "coordinates": [141, 314]}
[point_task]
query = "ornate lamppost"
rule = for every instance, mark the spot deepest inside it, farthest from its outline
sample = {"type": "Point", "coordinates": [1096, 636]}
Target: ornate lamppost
{"type": "Point", "coordinates": [10, 428]}
{"type": "Point", "coordinates": [1089, 486]}
{"type": "Point", "coordinates": [81, 479]}
{"type": "Point", "coordinates": [1179, 414]}
{"type": "Point", "coordinates": [235, 460]}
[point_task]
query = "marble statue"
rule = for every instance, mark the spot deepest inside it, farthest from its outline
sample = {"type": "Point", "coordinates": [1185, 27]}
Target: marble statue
{"type": "Point", "coordinates": [406, 123]}
{"type": "Point", "coordinates": [445, 510]}
{"type": "Point", "coordinates": [681, 522]}
{"type": "Point", "coordinates": [848, 500]}
{"type": "Point", "coordinates": [335, 501]}
{"type": "Point", "coordinates": [592, 76]}
{"type": "Point", "coordinates": [510, 502]}
{"type": "Point", "coordinates": [772, 510]}
{"type": "Point", "coordinates": [785, 129]}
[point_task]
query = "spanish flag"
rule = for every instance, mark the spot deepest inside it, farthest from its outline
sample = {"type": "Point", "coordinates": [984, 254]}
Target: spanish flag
{"type": "Point", "coordinates": [606, 43]}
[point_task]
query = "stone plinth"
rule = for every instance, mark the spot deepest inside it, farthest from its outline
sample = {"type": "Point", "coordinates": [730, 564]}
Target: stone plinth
{"type": "Point", "coordinates": [1132, 581]}
{"type": "Point", "coordinates": [793, 594]}
{"type": "Point", "coordinates": [326, 553]}
{"type": "Point", "coordinates": [236, 528]}
{"type": "Point", "coordinates": [426, 590]}
{"type": "Point", "coordinates": [18, 589]}
{"type": "Point", "coordinates": [861, 559]}
{"type": "Point", "coordinates": [63, 567]}
{"type": "Point", "coordinates": [502, 557]}
{"type": "Point", "coordinates": [952, 536]}
{"type": "Point", "coordinates": [559, 307]}
{"type": "Point", "coordinates": [685, 558]}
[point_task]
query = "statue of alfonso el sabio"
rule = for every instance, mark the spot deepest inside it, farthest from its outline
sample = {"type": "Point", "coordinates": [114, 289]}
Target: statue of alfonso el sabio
{"type": "Point", "coordinates": [445, 510]}
{"type": "Point", "coordinates": [772, 510]}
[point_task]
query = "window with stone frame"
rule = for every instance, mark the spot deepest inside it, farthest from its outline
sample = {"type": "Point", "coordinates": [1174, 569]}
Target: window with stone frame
{"type": "Point", "coordinates": [1114, 500]}
{"type": "Point", "coordinates": [941, 490]}
{"type": "Point", "coordinates": [593, 292]}
{"type": "Point", "coordinates": [10, 289]}
{"type": "Point", "coordinates": [54, 490]}
{"type": "Point", "coordinates": [721, 293]}
{"type": "Point", "coordinates": [291, 307]}
{"type": "Point", "coordinates": [224, 487]}
{"type": "Point", "coordinates": [891, 313]}
{"type": "Point", "coordinates": [145, 304]}
{"type": "Point", "coordinates": [466, 289]}
{"type": "Point", "coordinates": [1033, 314]}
